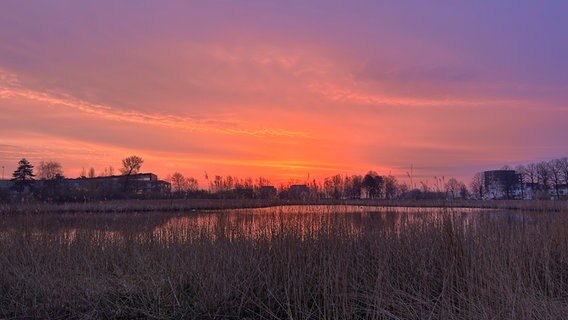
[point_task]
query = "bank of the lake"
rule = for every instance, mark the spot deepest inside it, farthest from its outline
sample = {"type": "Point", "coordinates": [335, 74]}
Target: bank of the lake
{"type": "Point", "coordinates": [183, 205]}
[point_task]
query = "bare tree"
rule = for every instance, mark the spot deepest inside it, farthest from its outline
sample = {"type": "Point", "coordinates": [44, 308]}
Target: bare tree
{"type": "Point", "coordinates": [563, 163]}
{"type": "Point", "coordinates": [178, 182]}
{"type": "Point", "coordinates": [452, 187]}
{"type": "Point", "coordinates": [477, 186]}
{"type": "Point", "coordinates": [92, 173]}
{"type": "Point", "coordinates": [191, 184]}
{"type": "Point", "coordinates": [555, 172]}
{"type": "Point", "coordinates": [337, 181]}
{"type": "Point", "coordinates": [391, 187]}
{"type": "Point", "coordinates": [262, 182]}
{"type": "Point", "coordinates": [530, 174]}
{"type": "Point", "coordinates": [543, 174]}
{"type": "Point", "coordinates": [464, 193]}
{"type": "Point", "coordinates": [49, 170]}
{"type": "Point", "coordinates": [521, 169]}
{"type": "Point", "coordinates": [328, 187]}
{"type": "Point", "coordinates": [108, 171]}
{"type": "Point", "coordinates": [131, 165]}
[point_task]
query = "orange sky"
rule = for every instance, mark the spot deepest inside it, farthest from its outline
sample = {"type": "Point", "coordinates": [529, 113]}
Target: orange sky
{"type": "Point", "coordinates": [282, 96]}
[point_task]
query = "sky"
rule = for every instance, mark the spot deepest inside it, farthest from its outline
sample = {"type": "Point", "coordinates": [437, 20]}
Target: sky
{"type": "Point", "coordinates": [284, 89]}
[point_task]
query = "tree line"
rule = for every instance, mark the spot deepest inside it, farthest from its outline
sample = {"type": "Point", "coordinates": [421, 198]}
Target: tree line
{"type": "Point", "coordinates": [545, 177]}
{"type": "Point", "coordinates": [371, 185]}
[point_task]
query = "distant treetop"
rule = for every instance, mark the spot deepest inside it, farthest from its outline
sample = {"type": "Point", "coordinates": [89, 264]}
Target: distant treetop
{"type": "Point", "coordinates": [131, 165]}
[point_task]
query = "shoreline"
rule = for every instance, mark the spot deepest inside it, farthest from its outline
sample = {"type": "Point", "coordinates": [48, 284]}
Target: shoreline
{"type": "Point", "coordinates": [171, 205]}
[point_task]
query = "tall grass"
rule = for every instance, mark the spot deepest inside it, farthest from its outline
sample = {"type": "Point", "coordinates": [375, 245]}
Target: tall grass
{"type": "Point", "coordinates": [286, 263]}
{"type": "Point", "coordinates": [173, 205]}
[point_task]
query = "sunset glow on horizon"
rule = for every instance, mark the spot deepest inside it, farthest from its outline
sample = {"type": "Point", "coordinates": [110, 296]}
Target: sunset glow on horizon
{"type": "Point", "coordinates": [283, 90]}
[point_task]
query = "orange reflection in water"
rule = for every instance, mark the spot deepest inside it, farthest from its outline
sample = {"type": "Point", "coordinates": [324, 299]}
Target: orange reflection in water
{"type": "Point", "coordinates": [264, 224]}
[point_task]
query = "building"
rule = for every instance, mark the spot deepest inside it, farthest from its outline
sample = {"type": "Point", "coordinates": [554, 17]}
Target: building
{"type": "Point", "coordinates": [140, 184]}
{"type": "Point", "coordinates": [532, 191]}
{"type": "Point", "coordinates": [503, 184]}
{"type": "Point", "coordinates": [562, 192]}
{"type": "Point", "coordinates": [508, 184]}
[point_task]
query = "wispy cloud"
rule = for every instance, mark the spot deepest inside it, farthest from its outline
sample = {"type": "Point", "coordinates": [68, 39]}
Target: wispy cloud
{"type": "Point", "coordinates": [10, 88]}
{"type": "Point", "coordinates": [345, 94]}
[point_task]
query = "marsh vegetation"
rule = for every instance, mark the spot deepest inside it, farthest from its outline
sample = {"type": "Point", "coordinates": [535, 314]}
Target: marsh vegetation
{"type": "Point", "coordinates": [295, 262]}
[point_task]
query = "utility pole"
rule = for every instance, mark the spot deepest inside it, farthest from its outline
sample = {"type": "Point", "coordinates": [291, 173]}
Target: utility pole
{"type": "Point", "coordinates": [2, 172]}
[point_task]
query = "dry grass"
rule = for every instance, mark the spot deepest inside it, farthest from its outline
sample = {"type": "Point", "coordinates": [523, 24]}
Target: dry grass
{"type": "Point", "coordinates": [321, 262]}
{"type": "Point", "coordinates": [182, 205]}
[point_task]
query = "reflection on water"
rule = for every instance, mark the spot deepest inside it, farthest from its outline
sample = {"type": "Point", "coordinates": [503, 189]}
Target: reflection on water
{"type": "Point", "coordinates": [238, 224]}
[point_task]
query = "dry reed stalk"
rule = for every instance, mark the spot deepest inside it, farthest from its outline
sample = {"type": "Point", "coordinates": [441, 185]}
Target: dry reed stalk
{"type": "Point", "coordinates": [320, 262]}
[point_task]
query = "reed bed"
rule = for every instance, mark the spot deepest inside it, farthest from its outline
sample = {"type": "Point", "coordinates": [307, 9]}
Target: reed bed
{"type": "Point", "coordinates": [183, 205]}
{"type": "Point", "coordinates": [322, 262]}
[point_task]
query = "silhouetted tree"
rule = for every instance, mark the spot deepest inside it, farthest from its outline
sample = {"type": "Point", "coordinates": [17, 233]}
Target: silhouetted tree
{"type": "Point", "coordinates": [464, 193]}
{"type": "Point", "coordinates": [555, 173]}
{"type": "Point", "coordinates": [373, 183]}
{"type": "Point", "coordinates": [48, 170]}
{"type": "Point", "coordinates": [455, 188]}
{"type": "Point", "coordinates": [23, 176]}
{"type": "Point", "coordinates": [131, 165]}
{"type": "Point", "coordinates": [191, 184]}
{"type": "Point", "coordinates": [563, 163]}
{"type": "Point", "coordinates": [477, 186]}
{"type": "Point", "coordinates": [178, 182]}
{"type": "Point", "coordinates": [262, 182]}
{"type": "Point", "coordinates": [452, 188]}
{"type": "Point", "coordinates": [391, 187]}
{"type": "Point", "coordinates": [107, 171]}
{"type": "Point", "coordinates": [53, 190]}
{"type": "Point", "coordinates": [530, 173]}
{"type": "Point", "coordinates": [352, 186]}
{"type": "Point", "coordinates": [543, 175]}
{"type": "Point", "coordinates": [92, 173]}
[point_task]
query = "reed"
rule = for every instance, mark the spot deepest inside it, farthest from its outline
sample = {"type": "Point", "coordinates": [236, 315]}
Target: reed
{"type": "Point", "coordinates": [321, 262]}
{"type": "Point", "coordinates": [183, 205]}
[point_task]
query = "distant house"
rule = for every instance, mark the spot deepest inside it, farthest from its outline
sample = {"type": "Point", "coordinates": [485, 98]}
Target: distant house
{"type": "Point", "coordinates": [532, 191]}
{"type": "Point", "coordinates": [299, 191]}
{"type": "Point", "coordinates": [140, 184]}
{"type": "Point", "coordinates": [508, 184]}
{"type": "Point", "coordinates": [503, 184]}
{"type": "Point", "coordinates": [562, 192]}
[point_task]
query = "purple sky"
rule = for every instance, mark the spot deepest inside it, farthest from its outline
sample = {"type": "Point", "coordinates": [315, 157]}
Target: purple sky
{"type": "Point", "coordinates": [284, 88]}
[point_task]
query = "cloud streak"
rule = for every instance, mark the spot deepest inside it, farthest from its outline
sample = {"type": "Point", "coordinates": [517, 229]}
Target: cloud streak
{"type": "Point", "coordinates": [346, 95]}
{"type": "Point", "coordinates": [155, 119]}
{"type": "Point", "coordinates": [283, 89]}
